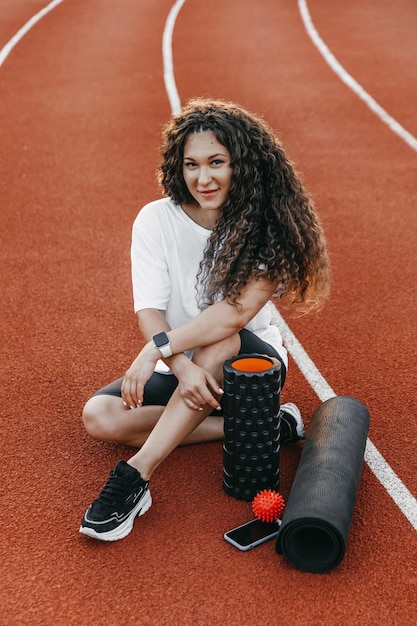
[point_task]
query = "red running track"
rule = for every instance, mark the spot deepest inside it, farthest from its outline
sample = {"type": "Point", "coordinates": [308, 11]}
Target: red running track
{"type": "Point", "coordinates": [82, 101]}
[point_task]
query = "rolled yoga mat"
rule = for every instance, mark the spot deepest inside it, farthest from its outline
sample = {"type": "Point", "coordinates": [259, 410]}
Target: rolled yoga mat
{"type": "Point", "coordinates": [318, 514]}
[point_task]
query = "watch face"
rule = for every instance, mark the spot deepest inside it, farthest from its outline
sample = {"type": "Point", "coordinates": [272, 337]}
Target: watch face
{"type": "Point", "coordinates": [160, 340]}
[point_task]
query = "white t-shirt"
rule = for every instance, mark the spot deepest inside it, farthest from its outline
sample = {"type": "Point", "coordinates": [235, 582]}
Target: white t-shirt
{"type": "Point", "coordinates": [167, 247]}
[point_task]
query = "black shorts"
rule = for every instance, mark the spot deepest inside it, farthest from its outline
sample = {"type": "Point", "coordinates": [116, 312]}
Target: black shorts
{"type": "Point", "coordinates": [160, 387]}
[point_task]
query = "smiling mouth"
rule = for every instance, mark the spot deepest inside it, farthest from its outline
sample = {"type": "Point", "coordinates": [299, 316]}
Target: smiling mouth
{"type": "Point", "coordinates": [208, 192]}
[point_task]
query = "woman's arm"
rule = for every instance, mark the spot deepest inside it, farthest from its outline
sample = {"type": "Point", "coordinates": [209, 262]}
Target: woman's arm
{"type": "Point", "coordinates": [195, 384]}
{"type": "Point", "coordinates": [222, 320]}
{"type": "Point", "coordinates": [217, 322]}
{"type": "Point", "coordinates": [152, 321]}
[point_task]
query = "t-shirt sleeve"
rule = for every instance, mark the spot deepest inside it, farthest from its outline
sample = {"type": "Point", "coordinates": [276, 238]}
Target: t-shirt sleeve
{"type": "Point", "coordinates": [150, 274]}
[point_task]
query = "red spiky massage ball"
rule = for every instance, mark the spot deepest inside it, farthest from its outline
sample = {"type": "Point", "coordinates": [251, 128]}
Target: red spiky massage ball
{"type": "Point", "coordinates": [268, 505]}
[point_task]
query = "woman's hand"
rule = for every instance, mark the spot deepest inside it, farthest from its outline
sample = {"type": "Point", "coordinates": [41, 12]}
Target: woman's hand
{"type": "Point", "coordinates": [138, 375]}
{"type": "Point", "coordinates": [197, 387]}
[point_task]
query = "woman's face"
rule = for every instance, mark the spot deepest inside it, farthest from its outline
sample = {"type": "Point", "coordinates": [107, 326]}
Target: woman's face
{"type": "Point", "coordinates": [206, 170]}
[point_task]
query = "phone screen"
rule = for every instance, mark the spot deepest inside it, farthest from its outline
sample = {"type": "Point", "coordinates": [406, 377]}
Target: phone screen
{"type": "Point", "coordinates": [253, 533]}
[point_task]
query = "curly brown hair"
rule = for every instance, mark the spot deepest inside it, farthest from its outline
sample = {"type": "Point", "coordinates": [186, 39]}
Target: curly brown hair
{"type": "Point", "coordinates": [268, 227]}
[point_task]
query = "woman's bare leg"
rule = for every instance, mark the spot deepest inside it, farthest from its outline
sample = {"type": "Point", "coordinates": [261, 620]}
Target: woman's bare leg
{"type": "Point", "coordinates": [158, 430]}
{"type": "Point", "coordinates": [177, 422]}
{"type": "Point", "coordinates": [106, 419]}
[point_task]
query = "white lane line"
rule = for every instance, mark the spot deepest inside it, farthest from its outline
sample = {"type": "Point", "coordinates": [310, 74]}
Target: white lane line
{"type": "Point", "coordinates": [5, 51]}
{"type": "Point", "coordinates": [350, 81]}
{"type": "Point", "coordinates": [376, 462]}
{"type": "Point", "coordinates": [402, 497]}
{"type": "Point", "coordinates": [300, 356]}
{"type": "Point", "coordinates": [169, 78]}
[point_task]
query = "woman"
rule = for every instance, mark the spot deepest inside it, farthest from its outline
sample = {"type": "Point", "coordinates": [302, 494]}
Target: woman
{"type": "Point", "coordinates": [236, 227]}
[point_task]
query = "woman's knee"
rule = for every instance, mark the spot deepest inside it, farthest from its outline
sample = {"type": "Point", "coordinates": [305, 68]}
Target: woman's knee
{"type": "Point", "coordinates": [96, 419]}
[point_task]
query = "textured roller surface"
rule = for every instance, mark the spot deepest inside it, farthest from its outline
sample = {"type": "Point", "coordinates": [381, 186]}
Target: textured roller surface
{"type": "Point", "coordinates": [317, 518]}
{"type": "Point", "coordinates": [251, 449]}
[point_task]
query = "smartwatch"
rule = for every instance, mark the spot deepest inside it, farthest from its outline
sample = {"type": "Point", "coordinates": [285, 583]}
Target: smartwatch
{"type": "Point", "coordinates": [161, 342]}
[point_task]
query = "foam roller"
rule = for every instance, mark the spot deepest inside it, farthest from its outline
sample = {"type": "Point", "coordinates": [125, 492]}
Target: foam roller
{"type": "Point", "coordinates": [317, 518]}
{"type": "Point", "coordinates": [251, 447]}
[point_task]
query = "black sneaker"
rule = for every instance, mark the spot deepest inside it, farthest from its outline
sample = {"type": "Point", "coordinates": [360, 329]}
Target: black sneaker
{"type": "Point", "coordinates": [292, 427]}
{"type": "Point", "coordinates": [125, 496]}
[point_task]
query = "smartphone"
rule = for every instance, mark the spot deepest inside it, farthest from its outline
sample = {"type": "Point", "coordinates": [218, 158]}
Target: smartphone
{"type": "Point", "coordinates": [252, 534]}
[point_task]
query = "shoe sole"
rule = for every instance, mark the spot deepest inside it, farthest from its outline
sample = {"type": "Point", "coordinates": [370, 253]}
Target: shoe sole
{"type": "Point", "coordinates": [294, 411]}
{"type": "Point", "coordinates": [124, 529]}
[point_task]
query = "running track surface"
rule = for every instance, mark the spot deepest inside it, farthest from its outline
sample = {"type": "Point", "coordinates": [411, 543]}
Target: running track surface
{"type": "Point", "coordinates": [82, 101]}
